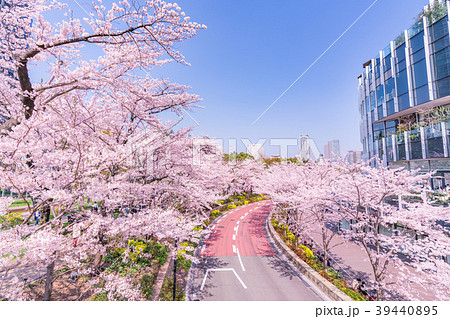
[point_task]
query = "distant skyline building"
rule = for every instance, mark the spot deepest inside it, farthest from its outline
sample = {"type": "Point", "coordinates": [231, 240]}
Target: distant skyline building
{"type": "Point", "coordinates": [332, 149]}
{"type": "Point", "coordinates": [256, 150]}
{"type": "Point", "coordinates": [308, 149]}
{"type": "Point", "coordinates": [354, 157]}
{"type": "Point", "coordinates": [404, 98]}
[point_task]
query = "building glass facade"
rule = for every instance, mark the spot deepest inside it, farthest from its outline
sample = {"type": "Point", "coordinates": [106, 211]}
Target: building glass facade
{"type": "Point", "coordinates": [404, 98]}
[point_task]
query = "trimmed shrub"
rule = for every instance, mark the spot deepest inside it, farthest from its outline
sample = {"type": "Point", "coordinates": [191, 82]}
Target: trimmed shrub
{"type": "Point", "coordinates": [215, 213]}
{"type": "Point", "coordinates": [274, 223]}
{"type": "Point", "coordinates": [246, 202]}
{"type": "Point", "coordinates": [231, 206]}
{"type": "Point", "coordinates": [291, 237]}
{"type": "Point", "coordinates": [308, 253]}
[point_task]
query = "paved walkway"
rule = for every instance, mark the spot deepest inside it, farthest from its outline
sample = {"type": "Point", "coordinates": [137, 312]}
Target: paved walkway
{"type": "Point", "coordinates": [31, 273]}
{"type": "Point", "coordinates": [352, 262]}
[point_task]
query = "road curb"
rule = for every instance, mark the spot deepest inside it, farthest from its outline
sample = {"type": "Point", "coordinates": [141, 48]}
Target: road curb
{"type": "Point", "coordinates": [321, 283]}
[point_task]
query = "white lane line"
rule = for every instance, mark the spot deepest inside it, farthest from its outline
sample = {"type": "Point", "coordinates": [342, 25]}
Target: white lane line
{"type": "Point", "coordinates": [242, 283]}
{"type": "Point", "coordinates": [234, 249]}
{"type": "Point", "coordinates": [213, 227]}
{"type": "Point", "coordinates": [234, 237]}
{"type": "Point", "coordinates": [238, 222]}
{"type": "Point", "coordinates": [237, 229]}
{"type": "Point", "coordinates": [223, 269]}
{"type": "Point", "coordinates": [240, 260]}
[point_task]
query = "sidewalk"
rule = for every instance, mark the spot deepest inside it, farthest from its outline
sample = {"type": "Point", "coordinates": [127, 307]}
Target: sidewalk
{"type": "Point", "coordinates": [30, 272]}
{"type": "Point", "coordinates": [352, 262]}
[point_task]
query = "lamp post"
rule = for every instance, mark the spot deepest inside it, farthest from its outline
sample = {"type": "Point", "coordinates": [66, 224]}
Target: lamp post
{"type": "Point", "coordinates": [175, 258]}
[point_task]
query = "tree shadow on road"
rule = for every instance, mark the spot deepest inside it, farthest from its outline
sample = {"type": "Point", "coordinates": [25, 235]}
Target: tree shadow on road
{"type": "Point", "coordinates": [281, 267]}
{"type": "Point", "coordinates": [198, 273]}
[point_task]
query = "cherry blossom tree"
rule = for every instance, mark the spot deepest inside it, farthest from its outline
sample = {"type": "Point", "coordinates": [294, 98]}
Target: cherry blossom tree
{"type": "Point", "coordinates": [303, 194]}
{"type": "Point", "coordinates": [410, 239]}
{"type": "Point", "coordinates": [404, 245]}
{"type": "Point", "coordinates": [89, 132]}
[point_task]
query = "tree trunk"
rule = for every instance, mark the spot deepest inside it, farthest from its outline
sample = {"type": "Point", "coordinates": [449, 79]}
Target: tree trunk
{"type": "Point", "coordinates": [45, 216]}
{"type": "Point", "coordinates": [49, 281]}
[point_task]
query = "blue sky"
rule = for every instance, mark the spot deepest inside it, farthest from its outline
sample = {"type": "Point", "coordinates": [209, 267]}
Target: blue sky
{"type": "Point", "coordinates": [253, 50]}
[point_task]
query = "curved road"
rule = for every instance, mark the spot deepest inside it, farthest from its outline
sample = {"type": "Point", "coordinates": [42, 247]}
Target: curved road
{"type": "Point", "coordinates": [237, 262]}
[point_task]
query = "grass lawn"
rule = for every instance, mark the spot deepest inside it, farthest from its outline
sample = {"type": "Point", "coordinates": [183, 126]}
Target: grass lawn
{"type": "Point", "coordinates": [20, 202]}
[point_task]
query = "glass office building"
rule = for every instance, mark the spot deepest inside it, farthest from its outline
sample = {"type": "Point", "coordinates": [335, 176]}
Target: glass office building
{"type": "Point", "coordinates": [404, 98]}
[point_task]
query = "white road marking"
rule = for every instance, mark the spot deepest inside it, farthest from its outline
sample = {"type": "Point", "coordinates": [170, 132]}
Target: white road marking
{"type": "Point", "coordinates": [203, 248]}
{"type": "Point", "coordinates": [234, 237]}
{"type": "Point", "coordinates": [234, 228]}
{"type": "Point", "coordinates": [238, 222]}
{"type": "Point", "coordinates": [242, 283]}
{"type": "Point", "coordinates": [222, 269]}
{"type": "Point", "coordinates": [234, 249]}
{"type": "Point", "coordinates": [213, 227]}
{"type": "Point", "coordinates": [240, 260]}
{"type": "Point", "coordinates": [237, 229]}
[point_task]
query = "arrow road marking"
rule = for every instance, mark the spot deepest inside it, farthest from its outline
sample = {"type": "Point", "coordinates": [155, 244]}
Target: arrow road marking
{"type": "Point", "coordinates": [222, 269]}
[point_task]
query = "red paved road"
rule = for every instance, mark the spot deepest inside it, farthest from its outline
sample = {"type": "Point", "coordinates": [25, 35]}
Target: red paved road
{"type": "Point", "coordinates": [240, 230]}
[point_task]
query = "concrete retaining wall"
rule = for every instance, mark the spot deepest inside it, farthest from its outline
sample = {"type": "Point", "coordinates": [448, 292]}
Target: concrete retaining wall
{"type": "Point", "coordinates": [324, 285]}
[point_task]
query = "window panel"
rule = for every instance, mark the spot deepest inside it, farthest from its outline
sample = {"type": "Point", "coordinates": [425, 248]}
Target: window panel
{"type": "Point", "coordinates": [442, 63]}
{"type": "Point", "coordinates": [380, 112]}
{"type": "Point", "coordinates": [403, 102]}
{"type": "Point", "coordinates": [402, 82]}
{"type": "Point", "coordinates": [443, 87]}
{"type": "Point", "coordinates": [390, 107]}
{"type": "Point", "coordinates": [439, 29]}
{"type": "Point", "coordinates": [419, 55]}
{"type": "Point", "coordinates": [380, 95]}
{"type": "Point", "coordinates": [422, 95]}
{"type": "Point", "coordinates": [377, 68]}
{"type": "Point", "coordinates": [390, 89]}
{"type": "Point", "coordinates": [372, 100]}
{"type": "Point", "coordinates": [400, 52]}
{"type": "Point", "coordinates": [420, 74]}
{"type": "Point", "coordinates": [391, 124]}
{"type": "Point", "coordinates": [417, 42]}
{"type": "Point", "coordinates": [440, 44]}
{"type": "Point", "coordinates": [401, 65]}
{"type": "Point", "coordinates": [388, 74]}
{"type": "Point", "coordinates": [387, 62]}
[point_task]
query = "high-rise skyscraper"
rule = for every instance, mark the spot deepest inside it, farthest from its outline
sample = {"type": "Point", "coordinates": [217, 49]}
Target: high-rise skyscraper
{"type": "Point", "coordinates": [308, 149]}
{"type": "Point", "coordinates": [354, 157]}
{"type": "Point", "coordinates": [332, 150]}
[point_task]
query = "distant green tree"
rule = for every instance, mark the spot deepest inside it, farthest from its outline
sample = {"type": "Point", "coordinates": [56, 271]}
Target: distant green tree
{"type": "Point", "coordinates": [237, 157]}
